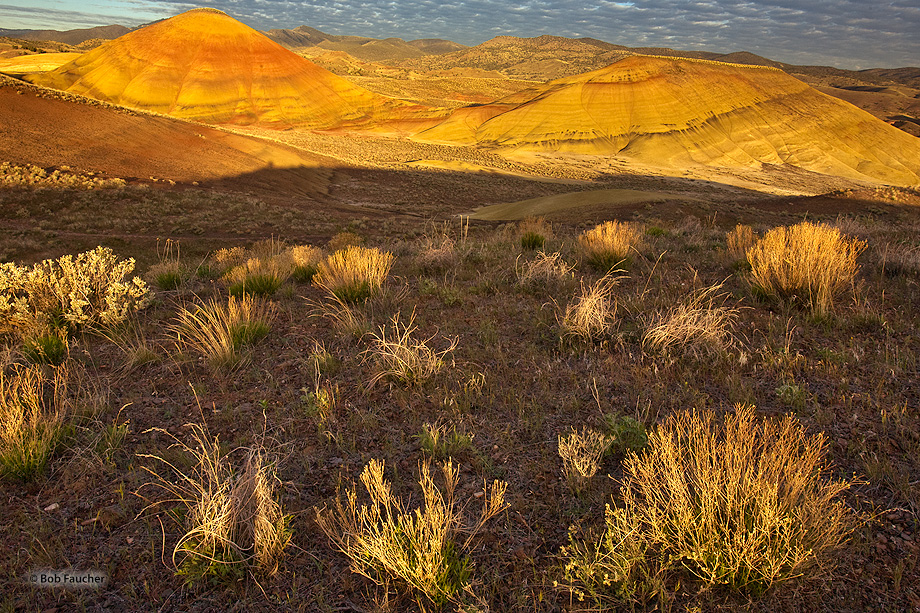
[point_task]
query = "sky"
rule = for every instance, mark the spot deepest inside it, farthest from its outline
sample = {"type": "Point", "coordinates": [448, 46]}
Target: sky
{"type": "Point", "coordinates": [845, 33]}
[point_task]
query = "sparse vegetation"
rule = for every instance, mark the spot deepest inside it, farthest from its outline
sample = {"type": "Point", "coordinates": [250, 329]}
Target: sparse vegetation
{"type": "Point", "coordinates": [233, 521]}
{"type": "Point", "coordinates": [421, 548]}
{"type": "Point", "coordinates": [806, 263]}
{"type": "Point", "coordinates": [610, 245]}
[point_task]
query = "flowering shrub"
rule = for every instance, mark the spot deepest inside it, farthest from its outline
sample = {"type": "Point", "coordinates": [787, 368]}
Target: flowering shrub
{"type": "Point", "coordinates": [85, 290]}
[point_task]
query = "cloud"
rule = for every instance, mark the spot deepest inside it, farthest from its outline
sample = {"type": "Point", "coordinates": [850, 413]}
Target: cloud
{"type": "Point", "coordinates": [846, 33]}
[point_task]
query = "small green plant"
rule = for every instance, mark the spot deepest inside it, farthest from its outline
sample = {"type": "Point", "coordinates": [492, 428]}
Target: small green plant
{"type": "Point", "coordinates": [532, 240]}
{"type": "Point", "coordinates": [533, 232]}
{"type": "Point", "coordinates": [385, 540]}
{"type": "Point", "coordinates": [49, 348]}
{"type": "Point", "coordinates": [319, 402]}
{"type": "Point", "coordinates": [792, 395]}
{"type": "Point", "coordinates": [656, 231]}
{"type": "Point", "coordinates": [626, 433]}
{"type": "Point", "coordinates": [169, 273]}
{"type": "Point", "coordinates": [442, 443]}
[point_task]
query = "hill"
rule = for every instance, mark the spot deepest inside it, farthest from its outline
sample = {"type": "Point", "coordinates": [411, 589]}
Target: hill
{"type": "Point", "coordinates": [675, 112]}
{"type": "Point", "coordinates": [206, 66]}
{"type": "Point", "coordinates": [69, 37]}
{"type": "Point", "coordinates": [361, 47]}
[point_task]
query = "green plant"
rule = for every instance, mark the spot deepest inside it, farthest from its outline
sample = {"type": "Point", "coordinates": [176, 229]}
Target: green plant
{"type": "Point", "coordinates": [806, 263]}
{"type": "Point", "coordinates": [306, 258]}
{"type": "Point", "coordinates": [261, 276]}
{"type": "Point", "coordinates": [32, 420]}
{"type": "Point", "coordinates": [609, 245]}
{"type": "Point", "coordinates": [421, 548]}
{"type": "Point", "coordinates": [354, 273]}
{"type": "Point", "coordinates": [49, 348]}
{"type": "Point", "coordinates": [792, 395]}
{"type": "Point", "coordinates": [442, 443]}
{"type": "Point", "coordinates": [532, 240]}
{"type": "Point", "coordinates": [403, 359]}
{"type": "Point", "coordinates": [233, 522]}
{"type": "Point", "coordinates": [626, 433]}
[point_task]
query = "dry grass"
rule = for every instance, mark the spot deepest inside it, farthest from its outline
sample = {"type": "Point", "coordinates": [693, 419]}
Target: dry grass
{"type": "Point", "coordinates": [696, 326]}
{"type": "Point", "coordinates": [590, 315]}
{"type": "Point", "coordinates": [610, 244]}
{"type": "Point", "coordinates": [544, 270]}
{"type": "Point", "coordinates": [437, 254]}
{"type": "Point", "coordinates": [32, 419]}
{"type": "Point", "coordinates": [581, 452]}
{"type": "Point", "coordinates": [233, 521]}
{"type": "Point", "coordinates": [421, 547]}
{"type": "Point", "coordinates": [403, 359]}
{"type": "Point", "coordinates": [261, 276]}
{"type": "Point", "coordinates": [534, 232]}
{"type": "Point", "coordinates": [739, 240]}
{"type": "Point", "coordinates": [745, 505]}
{"type": "Point", "coordinates": [354, 273]}
{"type": "Point", "coordinates": [899, 259]}
{"type": "Point", "coordinates": [305, 258]}
{"type": "Point", "coordinates": [809, 263]}
{"type": "Point", "coordinates": [218, 330]}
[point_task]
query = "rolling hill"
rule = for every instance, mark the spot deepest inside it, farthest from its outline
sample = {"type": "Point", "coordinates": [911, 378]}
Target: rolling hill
{"type": "Point", "coordinates": [674, 112]}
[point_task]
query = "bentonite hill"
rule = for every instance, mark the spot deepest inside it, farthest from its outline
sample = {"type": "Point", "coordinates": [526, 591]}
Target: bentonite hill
{"type": "Point", "coordinates": [297, 321]}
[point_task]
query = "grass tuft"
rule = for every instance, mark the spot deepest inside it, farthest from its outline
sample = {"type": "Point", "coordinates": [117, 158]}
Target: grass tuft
{"type": "Point", "coordinates": [421, 548]}
{"type": "Point", "coordinates": [590, 315]}
{"type": "Point", "coordinates": [403, 359]}
{"type": "Point", "coordinates": [697, 326]}
{"type": "Point", "coordinates": [354, 274]}
{"type": "Point", "coordinates": [806, 263]}
{"type": "Point", "coordinates": [609, 245]}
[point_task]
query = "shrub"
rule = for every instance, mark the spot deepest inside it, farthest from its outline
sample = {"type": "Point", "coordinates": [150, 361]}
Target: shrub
{"type": "Point", "coordinates": [306, 258]}
{"type": "Point", "coordinates": [233, 521]}
{"type": "Point", "coordinates": [807, 263]}
{"type": "Point", "coordinates": [86, 290]}
{"type": "Point", "coordinates": [218, 331]}
{"type": "Point", "coordinates": [581, 452]}
{"type": "Point", "coordinates": [32, 420]}
{"type": "Point", "coordinates": [695, 326]}
{"type": "Point", "coordinates": [744, 505]}
{"type": "Point", "coordinates": [421, 548]}
{"type": "Point", "coordinates": [609, 244]}
{"type": "Point", "coordinates": [738, 241]}
{"type": "Point", "coordinates": [588, 317]}
{"type": "Point", "coordinates": [403, 359]}
{"type": "Point", "coordinates": [354, 273]}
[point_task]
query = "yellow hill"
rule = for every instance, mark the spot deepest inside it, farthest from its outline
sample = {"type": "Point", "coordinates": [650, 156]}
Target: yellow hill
{"type": "Point", "coordinates": [36, 62]}
{"type": "Point", "coordinates": [675, 112]}
{"type": "Point", "coordinates": [206, 66]}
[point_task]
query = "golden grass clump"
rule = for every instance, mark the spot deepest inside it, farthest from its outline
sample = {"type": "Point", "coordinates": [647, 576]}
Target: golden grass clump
{"type": "Point", "coordinates": [354, 273]}
{"type": "Point", "coordinates": [87, 290]}
{"type": "Point", "coordinates": [745, 505]}
{"type": "Point", "coordinates": [610, 244]}
{"type": "Point", "coordinates": [581, 452]}
{"type": "Point", "coordinates": [534, 232]}
{"type": "Point", "coordinates": [305, 258]}
{"type": "Point", "coordinates": [697, 325]}
{"type": "Point", "coordinates": [32, 419]}
{"type": "Point", "coordinates": [401, 358]}
{"type": "Point", "coordinates": [739, 240]}
{"type": "Point", "coordinates": [590, 315]}
{"type": "Point", "coordinates": [810, 263]}
{"type": "Point", "coordinates": [544, 270]}
{"type": "Point", "coordinates": [218, 331]}
{"type": "Point", "coordinates": [233, 521]}
{"type": "Point", "coordinates": [261, 276]}
{"type": "Point", "coordinates": [422, 548]}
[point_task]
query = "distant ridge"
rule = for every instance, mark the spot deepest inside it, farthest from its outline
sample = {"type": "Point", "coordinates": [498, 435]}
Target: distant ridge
{"type": "Point", "coordinates": [68, 37]}
{"type": "Point", "coordinates": [207, 66]}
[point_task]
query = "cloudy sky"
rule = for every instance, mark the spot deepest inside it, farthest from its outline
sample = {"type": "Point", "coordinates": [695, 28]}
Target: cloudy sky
{"type": "Point", "coordinates": [845, 33]}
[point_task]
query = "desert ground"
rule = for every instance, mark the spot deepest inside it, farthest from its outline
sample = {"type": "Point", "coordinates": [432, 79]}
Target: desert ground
{"type": "Point", "coordinates": [204, 463]}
